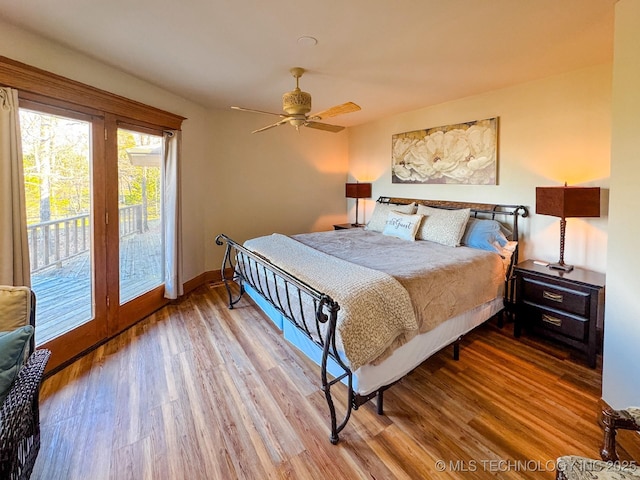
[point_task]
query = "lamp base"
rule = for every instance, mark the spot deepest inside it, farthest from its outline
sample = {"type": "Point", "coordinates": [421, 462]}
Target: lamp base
{"type": "Point", "coordinates": [561, 266]}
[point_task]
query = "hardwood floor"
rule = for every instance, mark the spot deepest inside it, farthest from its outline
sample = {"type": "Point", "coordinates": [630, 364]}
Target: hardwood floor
{"type": "Point", "coordinates": [197, 391]}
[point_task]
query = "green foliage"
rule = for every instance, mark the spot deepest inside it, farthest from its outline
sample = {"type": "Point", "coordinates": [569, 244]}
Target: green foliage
{"type": "Point", "coordinates": [57, 168]}
{"type": "Point", "coordinates": [134, 180]}
{"type": "Point", "coordinates": [56, 165]}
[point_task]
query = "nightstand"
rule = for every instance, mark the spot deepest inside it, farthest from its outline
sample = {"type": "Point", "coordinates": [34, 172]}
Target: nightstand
{"type": "Point", "coordinates": [345, 226]}
{"type": "Point", "coordinates": [565, 306]}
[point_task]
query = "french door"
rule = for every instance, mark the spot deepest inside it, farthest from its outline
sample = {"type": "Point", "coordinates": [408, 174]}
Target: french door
{"type": "Point", "coordinates": [93, 188]}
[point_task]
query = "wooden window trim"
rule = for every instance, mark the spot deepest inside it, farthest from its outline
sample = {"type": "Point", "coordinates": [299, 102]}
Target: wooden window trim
{"type": "Point", "coordinates": [51, 109]}
{"type": "Point", "coordinates": [136, 127]}
{"type": "Point", "coordinates": [33, 83]}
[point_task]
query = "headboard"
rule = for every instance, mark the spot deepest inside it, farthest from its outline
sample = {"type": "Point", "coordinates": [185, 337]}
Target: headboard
{"type": "Point", "coordinates": [494, 211]}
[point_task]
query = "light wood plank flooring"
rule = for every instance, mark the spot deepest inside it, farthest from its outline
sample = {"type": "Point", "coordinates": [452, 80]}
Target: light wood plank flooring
{"type": "Point", "coordinates": [197, 391]}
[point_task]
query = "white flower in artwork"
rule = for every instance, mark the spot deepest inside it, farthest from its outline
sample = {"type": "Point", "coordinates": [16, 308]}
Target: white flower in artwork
{"type": "Point", "coordinates": [480, 163]}
{"type": "Point", "coordinates": [402, 172]}
{"type": "Point", "coordinates": [424, 170]}
{"type": "Point", "coordinates": [460, 174]}
{"type": "Point", "coordinates": [418, 159]}
{"type": "Point", "coordinates": [484, 176]}
{"type": "Point", "coordinates": [456, 146]}
{"type": "Point", "coordinates": [481, 141]}
{"type": "Point", "coordinates": [434, 143]}
{"type": "Point", "coordinates": [400, 148]}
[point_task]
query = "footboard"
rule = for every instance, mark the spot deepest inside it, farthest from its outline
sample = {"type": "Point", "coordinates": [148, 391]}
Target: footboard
{"type": "Point", "coordinates": [312, 312]}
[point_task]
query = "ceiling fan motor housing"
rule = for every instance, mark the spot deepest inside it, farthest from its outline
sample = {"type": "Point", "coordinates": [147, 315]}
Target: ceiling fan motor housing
{"type": "Point", "coordinates": [296, 102]}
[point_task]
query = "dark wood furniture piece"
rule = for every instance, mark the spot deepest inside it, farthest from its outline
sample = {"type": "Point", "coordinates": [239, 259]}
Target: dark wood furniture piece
{"type": "Point", "coordinates": [617, 419]}
{"type": "Point", "coordinates": [345, 226]}
{"type": "Point", "coordinates": [565, 306]}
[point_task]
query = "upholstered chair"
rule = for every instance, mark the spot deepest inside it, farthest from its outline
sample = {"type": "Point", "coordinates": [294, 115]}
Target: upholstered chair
{"type": "Point", "coordinates": [580, 468]}
{"type": "Point", "coordinates": [21, 370]}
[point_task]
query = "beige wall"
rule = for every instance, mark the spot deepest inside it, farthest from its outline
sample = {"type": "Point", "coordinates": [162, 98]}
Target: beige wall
{"type": "Point", "coordinates": [621, 371]}
{"type": "Point", "coordinates": [280, 180]}
{"type": "Point", "coordinates": [550, 131]}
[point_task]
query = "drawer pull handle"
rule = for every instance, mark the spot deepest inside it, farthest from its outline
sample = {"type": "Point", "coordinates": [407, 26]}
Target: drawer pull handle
{"type": "Point", "coordinates": [554, 297]}
{"type": "Point", "coordinates": [552, 320]}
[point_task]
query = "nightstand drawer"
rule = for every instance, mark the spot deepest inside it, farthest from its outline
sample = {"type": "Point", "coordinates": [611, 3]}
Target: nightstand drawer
{"type": "Point", "coordinates": [553, 296]}
{"type": "Point", "coordinates": [543, 319]}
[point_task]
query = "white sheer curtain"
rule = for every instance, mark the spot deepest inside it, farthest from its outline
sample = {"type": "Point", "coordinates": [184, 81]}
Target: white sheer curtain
{"type": "Point", "coordinates": [14, 247]}
{"type": "Point", "coordinates": [171, 215]}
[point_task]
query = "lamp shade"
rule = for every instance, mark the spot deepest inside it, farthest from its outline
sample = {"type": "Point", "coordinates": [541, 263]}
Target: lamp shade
{"type": "Point", "coordinates": [358, 190]}
{"type": "Point", "coordinates": [565, 202]}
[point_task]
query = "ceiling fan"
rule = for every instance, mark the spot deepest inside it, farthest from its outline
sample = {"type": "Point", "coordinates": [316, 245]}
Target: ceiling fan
{"type": "Point", "coordinates": [297, 105]}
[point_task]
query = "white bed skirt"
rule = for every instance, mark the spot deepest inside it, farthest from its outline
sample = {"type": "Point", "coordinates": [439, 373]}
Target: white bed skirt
{"type": "Point", "coordinates": [369, 378]}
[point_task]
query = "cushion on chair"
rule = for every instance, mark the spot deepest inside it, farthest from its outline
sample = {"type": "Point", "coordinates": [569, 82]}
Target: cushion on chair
{"type": "Point", "coordinates": [14, 346]}
{"type": "Point", "coordinates": [635, 413]}
{"type": "Point", "coordinates": [15, 307]}
{"type": "Point", "coordinates": [572, 467]}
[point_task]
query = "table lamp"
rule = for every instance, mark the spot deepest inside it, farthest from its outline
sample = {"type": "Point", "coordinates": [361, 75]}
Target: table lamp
{"type": "Point", "coordinates": [357, 191]}
{"type": "Point", "coordinates": [565, 202]}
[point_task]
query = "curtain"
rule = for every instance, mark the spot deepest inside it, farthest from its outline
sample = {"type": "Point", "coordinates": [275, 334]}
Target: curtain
{"type": "Point", "coordinates": [171, 214]}
{"type": "Point", "coordinates": [14, 247]}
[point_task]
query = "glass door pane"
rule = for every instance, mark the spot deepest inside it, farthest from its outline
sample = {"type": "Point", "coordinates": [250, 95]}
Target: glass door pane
{"type": "Point", "coordinates": [140, 213]}
{"type": "Point", "coordinates": [57, 171]}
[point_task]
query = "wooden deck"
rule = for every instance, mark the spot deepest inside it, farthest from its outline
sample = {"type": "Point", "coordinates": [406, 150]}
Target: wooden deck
{"type": "Point", "coordinates": [62, 292]}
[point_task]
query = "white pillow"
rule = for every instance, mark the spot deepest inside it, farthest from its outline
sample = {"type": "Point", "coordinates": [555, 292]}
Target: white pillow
{"type": "Point", "coordinates": [381, 211]}
{"type": "Point", "coordinates": [402, 225]}
{"type": "Point", "coordinates": [442, 226]}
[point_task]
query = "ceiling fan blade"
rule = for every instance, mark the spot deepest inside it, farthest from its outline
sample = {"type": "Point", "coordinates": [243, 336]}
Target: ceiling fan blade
{"type": "Point", "coordinates": [257, 111]}
{"type": "Point", "coordinates": [335, 111]}
{"type": "Point", "coordinates": [324, 126]}
{"type": "Point", "coordinates": [277, 124]}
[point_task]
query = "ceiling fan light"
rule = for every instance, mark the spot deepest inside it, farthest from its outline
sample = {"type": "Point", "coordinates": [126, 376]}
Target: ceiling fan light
{"type": "Point", "coordinates": [297, 122]}
{"type": "Point", "coordinates": [296, 102]}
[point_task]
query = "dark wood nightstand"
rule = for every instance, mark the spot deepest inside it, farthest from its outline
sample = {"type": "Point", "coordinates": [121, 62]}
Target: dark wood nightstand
{"type": "Point", "coordinates": [345, 226]}
{"type": "Point", "coordinates": [565, 306]}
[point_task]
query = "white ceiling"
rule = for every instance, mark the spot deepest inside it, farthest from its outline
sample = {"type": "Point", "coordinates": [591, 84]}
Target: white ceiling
{"type": "Point", "coordinates": [388, 56]}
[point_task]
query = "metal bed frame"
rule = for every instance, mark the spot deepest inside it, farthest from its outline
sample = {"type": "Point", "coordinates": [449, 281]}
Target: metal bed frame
{"type": "Point", "coordinates": [289, 295]}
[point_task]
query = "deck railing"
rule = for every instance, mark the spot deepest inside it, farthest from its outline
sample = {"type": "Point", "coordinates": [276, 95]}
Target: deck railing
{"type": "Point", "coordinates": [52, 242]}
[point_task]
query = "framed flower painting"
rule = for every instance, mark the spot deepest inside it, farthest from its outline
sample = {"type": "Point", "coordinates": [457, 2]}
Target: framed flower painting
{"type": "Point", "coordinates": [464, 153]}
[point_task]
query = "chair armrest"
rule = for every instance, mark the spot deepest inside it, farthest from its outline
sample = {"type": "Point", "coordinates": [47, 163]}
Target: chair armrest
{"type": "Point", "coordinates": [17, 416]}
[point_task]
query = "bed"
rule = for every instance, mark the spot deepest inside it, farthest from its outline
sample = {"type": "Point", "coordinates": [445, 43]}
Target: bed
{"type": "Point", "coordinates": [369, 305]}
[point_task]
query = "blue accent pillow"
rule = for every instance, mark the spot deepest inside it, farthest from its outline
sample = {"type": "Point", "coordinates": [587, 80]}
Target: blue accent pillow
{"type": "Point", "coordinates": [13, 348]}
{"type": "Point", "coordinates": [484, 235]}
